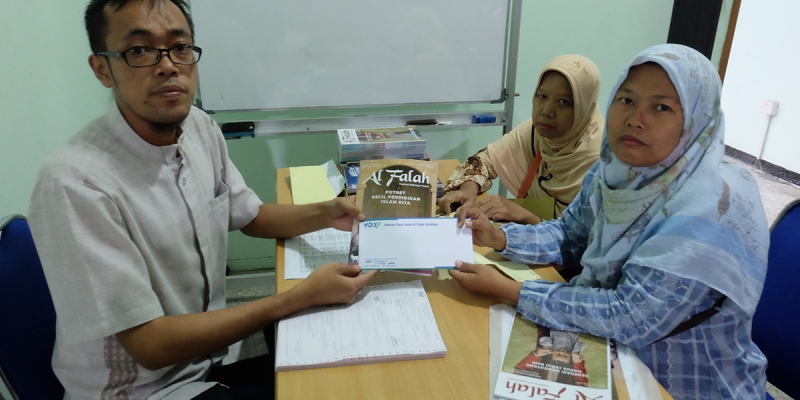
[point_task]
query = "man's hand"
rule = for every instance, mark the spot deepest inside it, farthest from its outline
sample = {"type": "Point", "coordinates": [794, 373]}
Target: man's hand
{"type": "Point", "coordinates": [499, 208]}
{"type": "Point", "coordinates": [487, 281]}
{"type": "Point", "coordinates": [464, 196]}
{"type": "Point", "coordinates": [483, 232]}
{"type": "Point", "coordinates": [334, 283]}
{"type": "Point", "coordinates": [341, 211]}
{"type": "Point", "coordinates": [167, 340]}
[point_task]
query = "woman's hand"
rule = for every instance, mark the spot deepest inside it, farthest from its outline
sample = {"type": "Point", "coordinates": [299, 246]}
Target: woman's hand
{"type": "Point", "coordinates": [341, 211]}
{"type": "Point", "coordinates": [464, 196]}
{"type": "Point", "coordinates": [499, 208]}
{"type": "Point", "coordinates": [483, 232]}
{"type": "Point", "coordinates": [487, 281]}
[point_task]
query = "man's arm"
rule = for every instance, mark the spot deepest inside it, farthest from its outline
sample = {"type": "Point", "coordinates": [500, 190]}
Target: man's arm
{"type": "Point", "coordinates": [284, 220]}
{"type": "Point", "coordinates": [168, 340]}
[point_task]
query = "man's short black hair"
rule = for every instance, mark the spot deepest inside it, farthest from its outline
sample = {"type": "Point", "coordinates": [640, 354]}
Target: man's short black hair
{"type": "Point", "coordinates": [97, 24]}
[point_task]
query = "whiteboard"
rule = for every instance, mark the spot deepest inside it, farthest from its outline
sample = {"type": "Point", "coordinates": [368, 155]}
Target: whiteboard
{"type": "Point", "coordinates": [270, 55]}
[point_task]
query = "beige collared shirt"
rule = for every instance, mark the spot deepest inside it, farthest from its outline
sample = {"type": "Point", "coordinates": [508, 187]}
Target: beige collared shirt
{"type": "Point", "coordinates": [128, 232]}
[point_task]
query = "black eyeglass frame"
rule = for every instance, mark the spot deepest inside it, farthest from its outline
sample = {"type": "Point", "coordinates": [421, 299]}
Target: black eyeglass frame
{"type": "Point", "coordinates": [118, 54]}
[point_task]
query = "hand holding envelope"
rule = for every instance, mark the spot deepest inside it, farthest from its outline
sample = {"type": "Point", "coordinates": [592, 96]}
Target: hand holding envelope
{"type": "Point", "coordinates": [413, 243]}
{"type": "Point", "coordinates": [484, 233]}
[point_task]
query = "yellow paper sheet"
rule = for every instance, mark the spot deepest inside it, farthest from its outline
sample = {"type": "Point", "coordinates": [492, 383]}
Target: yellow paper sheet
{"type": "Point", "coordinates": [516, 271]}
{"type": "Point", "coordinates": [444, 275]}
{"type": "Point", "coordinates": [310, 185]}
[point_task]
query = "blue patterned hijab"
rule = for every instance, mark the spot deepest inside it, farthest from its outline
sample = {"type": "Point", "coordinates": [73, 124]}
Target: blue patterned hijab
{"type": "Point", "coordinates": [690, 215]}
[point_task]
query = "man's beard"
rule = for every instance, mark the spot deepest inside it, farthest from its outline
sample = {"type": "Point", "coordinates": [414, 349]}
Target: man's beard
{"type": "Point", "coordinates": [164, 128]}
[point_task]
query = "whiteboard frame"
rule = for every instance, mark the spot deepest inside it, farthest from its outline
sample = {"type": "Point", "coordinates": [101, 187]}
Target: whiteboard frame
{"type": "Point", "coordinates": [272, 127]}
{"type": "Point", "coordinates": [513, 8]}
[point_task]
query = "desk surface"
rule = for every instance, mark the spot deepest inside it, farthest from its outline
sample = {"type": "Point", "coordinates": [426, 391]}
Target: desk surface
{"type": "Point", "coordinates": [463, 320]}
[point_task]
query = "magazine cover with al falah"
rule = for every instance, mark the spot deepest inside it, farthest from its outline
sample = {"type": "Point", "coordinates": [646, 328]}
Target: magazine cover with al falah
{"type": "Point", "coordinates": [545, 364]}
{"type": "Point", "coordinates": [394, 188]}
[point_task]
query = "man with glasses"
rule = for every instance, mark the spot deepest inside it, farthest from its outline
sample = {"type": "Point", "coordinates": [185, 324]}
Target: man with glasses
{"type": "Point", "coordinates": [131, 218]}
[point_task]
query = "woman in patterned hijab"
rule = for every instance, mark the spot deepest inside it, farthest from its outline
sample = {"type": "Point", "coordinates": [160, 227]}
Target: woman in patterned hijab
{"type": "Point", "coordinates": [546, 156]}
{"type": "Point", "coordinates": [665, 231]}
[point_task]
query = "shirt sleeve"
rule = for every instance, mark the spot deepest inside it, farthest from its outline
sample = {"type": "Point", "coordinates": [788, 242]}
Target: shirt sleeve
{"type": "Point", "coordinates": [646, 305]}
{"type": "Point", "coordinates": [477, 168]}
{"type": "Point", "coordinates": [97, 276]}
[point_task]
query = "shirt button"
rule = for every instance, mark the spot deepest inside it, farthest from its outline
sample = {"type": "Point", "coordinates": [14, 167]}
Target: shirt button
{"type": "Point", "coordinates": [183, 182]}
{"type": "Point", "coordinates": [169, 159]}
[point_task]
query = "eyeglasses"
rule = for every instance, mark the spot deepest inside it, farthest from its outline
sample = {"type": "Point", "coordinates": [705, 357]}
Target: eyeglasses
{"type": "Point", "coordinates": [140, 56]}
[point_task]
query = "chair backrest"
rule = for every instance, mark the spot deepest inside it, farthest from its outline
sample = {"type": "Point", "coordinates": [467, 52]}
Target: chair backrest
{"type": "Point", "coordinates": [776, 328]}
{"type": "Point", "coordinates": [27, 316]}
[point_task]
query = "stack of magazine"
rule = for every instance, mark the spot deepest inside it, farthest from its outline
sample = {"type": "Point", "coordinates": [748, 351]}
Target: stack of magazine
{"type": "Point", "coordinates": [371, 144]}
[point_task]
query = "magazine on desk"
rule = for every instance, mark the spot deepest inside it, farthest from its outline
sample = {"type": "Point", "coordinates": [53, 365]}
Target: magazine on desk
{"type": "Point", "coordinates": [543, 363]}
{"type": "Point", "coordinates": [394, 188]}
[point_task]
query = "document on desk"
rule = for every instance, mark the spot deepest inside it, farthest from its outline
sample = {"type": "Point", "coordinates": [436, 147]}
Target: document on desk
{"type": "Point", "coordinates": [413, 243]}
{"type": "Point", "coordinates": [315, 183]}
{"type": "Point", "coordinates": [514, 270]}
{"type": "Point", "coordinates": [391, 322]}
{"type": "Point", "coordinates": [305, 253]}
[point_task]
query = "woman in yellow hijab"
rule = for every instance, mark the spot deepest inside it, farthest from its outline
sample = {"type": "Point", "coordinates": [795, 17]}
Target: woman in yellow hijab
{"type": "Point", "coordinates": [546, 156]}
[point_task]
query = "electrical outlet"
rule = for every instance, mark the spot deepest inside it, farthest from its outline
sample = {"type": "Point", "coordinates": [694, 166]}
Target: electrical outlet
{"type": "Point", "coordinates": [770, 107]}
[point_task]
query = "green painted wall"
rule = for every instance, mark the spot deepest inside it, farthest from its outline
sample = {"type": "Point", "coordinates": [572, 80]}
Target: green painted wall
{"type": "Point", "coordinates": [47, 92]}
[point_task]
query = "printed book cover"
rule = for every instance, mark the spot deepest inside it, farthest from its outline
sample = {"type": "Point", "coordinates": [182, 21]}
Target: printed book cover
{"type": "Point", "coordinates": [350, 171]}
{"type": "Point", "coordinates": [394, 188]}
{"type": "Point", "coordinates": [543, 363]}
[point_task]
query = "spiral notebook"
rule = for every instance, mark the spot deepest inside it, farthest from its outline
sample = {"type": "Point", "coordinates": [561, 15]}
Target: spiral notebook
{"type": "Point", "coordinates": [391, 322]}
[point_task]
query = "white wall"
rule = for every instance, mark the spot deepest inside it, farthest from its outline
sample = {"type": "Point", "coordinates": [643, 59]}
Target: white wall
{"type": "Point", "coordinates": [763, 65]}
{"type": "Point", "coordinates": [609, 33]}
{"type": "Point", "coordinates": [47, 90]}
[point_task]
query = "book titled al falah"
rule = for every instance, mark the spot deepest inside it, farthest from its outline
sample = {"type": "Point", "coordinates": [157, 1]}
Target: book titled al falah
{"type": "Point", "coordinates": [394, 188]}
{"type": "Point", "coordinates": [543, 364]}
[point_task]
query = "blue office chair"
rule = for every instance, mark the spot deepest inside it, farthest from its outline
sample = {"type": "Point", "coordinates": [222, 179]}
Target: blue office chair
{"type": "Point", "coordinates": [776, 329]}
{"type": "Point", "coordinates": [27, 316]}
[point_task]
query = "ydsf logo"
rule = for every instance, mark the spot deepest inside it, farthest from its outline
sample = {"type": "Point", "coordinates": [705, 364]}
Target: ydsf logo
{"type": "Point", "coordinates": [372, 224]}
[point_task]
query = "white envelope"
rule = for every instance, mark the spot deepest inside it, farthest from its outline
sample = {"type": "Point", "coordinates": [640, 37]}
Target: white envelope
{"type": "Point", "coordinates": [413, 243]}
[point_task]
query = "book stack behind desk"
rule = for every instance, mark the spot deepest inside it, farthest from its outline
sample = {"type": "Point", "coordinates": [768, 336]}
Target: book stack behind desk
{"type": "Point", "coordinates": [371, 144]}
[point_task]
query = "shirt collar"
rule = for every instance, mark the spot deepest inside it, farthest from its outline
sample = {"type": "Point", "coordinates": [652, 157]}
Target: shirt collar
{"type": "Point", "coordinates": [121, 130]}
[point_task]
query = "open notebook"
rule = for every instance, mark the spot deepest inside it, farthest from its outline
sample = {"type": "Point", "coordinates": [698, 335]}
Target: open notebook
{"type": "Point", "coordinates": [390, 322]}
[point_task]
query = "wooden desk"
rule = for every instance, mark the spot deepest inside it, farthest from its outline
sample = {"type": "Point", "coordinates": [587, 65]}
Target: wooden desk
{"type": "Point", "coordinates": [463, 320]}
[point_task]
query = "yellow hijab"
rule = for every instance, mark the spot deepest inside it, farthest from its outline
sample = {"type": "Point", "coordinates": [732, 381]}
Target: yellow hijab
{"type": "Point", "coordinates": [565, 160]}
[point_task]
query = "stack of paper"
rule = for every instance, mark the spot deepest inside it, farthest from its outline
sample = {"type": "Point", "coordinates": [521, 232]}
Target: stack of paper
{"type": "Point", "coordinates": [389, 322]}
